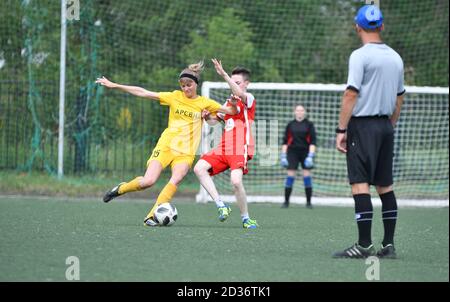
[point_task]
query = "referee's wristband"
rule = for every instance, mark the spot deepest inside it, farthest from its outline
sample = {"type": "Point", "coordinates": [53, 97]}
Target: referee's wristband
{"type": "Point", "coordinates": [339, 130]}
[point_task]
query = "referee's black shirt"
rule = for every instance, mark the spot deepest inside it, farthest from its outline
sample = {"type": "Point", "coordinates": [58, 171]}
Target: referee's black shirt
{"type": "Point", "coordinates": [300, 135]}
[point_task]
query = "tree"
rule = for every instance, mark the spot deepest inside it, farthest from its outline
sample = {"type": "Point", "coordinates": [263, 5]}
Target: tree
{"type": "Point", "coordinates": [226, 37]}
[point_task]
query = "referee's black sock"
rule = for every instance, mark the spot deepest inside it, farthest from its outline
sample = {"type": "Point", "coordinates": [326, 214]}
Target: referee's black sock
{"type": "Point", "coordinates": [363, 216]}
{"type": "Point", "coordinates": [389, 212]}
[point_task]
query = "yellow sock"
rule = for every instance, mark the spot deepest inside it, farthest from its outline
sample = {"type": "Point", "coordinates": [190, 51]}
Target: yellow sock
{"type": "Point", "coordinates": [165, 196]}
{"type": "Point", "coordinates": [131, 186]}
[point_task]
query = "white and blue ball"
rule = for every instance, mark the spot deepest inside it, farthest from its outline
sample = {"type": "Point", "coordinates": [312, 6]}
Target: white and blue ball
{"type": "Point", "coordinates": [165, 214]}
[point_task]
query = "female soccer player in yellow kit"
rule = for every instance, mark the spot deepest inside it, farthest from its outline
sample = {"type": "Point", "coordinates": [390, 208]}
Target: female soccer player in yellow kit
{"type": "Point", "coordinates": [178, 143]}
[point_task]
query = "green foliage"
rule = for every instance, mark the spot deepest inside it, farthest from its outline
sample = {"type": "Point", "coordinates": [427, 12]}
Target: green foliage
{"type": "Point", "coordinates": [424, 36]}
{"type": "Point", "coordinates": [226, 37]}
{"type": "Point", "coordinates": [288, 41]}
{"type": "Point", "coordinates": [147, 43]}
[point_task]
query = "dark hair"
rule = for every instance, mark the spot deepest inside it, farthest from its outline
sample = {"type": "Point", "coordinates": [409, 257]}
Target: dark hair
{"type": "Point", "coordinates": [372, 30]}
{"type": "Point", "coordinates": [242, 71]}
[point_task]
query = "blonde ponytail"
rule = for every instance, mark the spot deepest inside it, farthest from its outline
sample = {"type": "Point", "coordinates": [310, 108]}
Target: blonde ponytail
{"type": "Point", "coordinates": [197, 67]}
{"type": "Point", "coordinates": [193, 71]}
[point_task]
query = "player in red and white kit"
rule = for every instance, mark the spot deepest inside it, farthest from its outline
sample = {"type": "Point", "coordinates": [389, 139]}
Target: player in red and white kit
{"type": "Point", "coordinates": [236, 147]}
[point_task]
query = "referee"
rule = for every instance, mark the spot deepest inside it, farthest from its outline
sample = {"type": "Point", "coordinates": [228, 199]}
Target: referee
{"type": "Point", "coordinates": [369, 111]}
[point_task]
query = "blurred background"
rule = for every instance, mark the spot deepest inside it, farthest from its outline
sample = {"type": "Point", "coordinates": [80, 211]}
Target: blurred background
{"type": "Point", "coordinates": [109, 135]}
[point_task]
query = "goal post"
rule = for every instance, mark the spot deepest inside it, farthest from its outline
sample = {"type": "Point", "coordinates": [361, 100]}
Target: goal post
{"type": "Point", "coordinates": [421, 144]}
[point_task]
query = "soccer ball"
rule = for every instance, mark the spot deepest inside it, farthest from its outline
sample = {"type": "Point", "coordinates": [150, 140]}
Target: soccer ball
{"type": "Point", "coordinates": [165, 214]}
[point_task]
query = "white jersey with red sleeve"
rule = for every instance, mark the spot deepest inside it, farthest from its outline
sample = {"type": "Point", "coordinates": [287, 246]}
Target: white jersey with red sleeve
{"type": "Point", "coordinates": [237, 137]}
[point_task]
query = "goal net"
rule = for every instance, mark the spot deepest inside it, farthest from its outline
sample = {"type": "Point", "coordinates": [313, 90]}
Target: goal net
{"type": "Point", "coordinates": [420, 154]}
{"type": "Point", "coordinates": [147, 43]}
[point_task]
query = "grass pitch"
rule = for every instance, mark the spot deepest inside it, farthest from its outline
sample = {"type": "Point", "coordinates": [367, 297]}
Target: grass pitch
{"type": "Point", "coordinates": [295, 244]}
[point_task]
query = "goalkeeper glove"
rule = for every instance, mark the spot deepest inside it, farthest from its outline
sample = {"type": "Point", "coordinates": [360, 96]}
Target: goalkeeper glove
{"type": "Point", "coordinates": [309, 163]}
{"type": "Point", "coordinates": [284, 162]}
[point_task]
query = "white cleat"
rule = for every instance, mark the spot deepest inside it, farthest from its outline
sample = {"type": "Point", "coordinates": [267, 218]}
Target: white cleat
{"type": "Point", "coordinates": [150, 222]}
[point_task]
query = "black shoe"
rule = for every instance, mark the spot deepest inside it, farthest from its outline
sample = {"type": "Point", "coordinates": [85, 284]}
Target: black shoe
{"type": "Point", "coordinates": [113, 193]}
{"type": "Point", "coordinates": [356, 251]}
{"type": "Point", "coordinates": [387, 251]}
{"type": "Point", "coordinates": [309, 206]}
{"type": "Point", "coordinates": [285, 205]}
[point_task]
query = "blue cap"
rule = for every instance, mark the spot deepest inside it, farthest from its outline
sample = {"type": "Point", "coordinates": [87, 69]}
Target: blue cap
{"type": "Point", "coordinates": [369, 17]}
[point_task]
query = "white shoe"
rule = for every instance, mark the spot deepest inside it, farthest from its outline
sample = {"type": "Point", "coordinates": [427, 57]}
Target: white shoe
{"type": "Point", "coordinates": [150, 222]}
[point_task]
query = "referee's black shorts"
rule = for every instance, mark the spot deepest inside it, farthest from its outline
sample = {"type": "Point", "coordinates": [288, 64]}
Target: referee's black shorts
{"type": "Point", "coordinates": [370, 150]}
{"type": "Point", "coordinates": [296, 156]}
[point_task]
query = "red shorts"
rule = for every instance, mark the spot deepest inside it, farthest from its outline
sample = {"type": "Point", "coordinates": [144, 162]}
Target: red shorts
{"type": "Point", "coordinates": [220, 162]}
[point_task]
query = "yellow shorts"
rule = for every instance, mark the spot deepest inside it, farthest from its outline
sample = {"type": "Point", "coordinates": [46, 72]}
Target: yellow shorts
{"type": "Point", "coordinates": [167, 156]}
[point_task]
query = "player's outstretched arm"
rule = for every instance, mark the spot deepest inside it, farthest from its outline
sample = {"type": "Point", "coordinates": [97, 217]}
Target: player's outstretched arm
{"type": "Point", "coordinates": [134, 90]}
{"type": "Point", "coordinates": [230, 110]}
{"type": "Point", "coordinates": [233, 86]}
{"type": "Point", "coordinates": [209, 118]}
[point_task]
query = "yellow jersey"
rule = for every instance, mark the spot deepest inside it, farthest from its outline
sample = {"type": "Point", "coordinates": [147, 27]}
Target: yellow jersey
{"type": "Point", "coordinates": [183, 133]}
